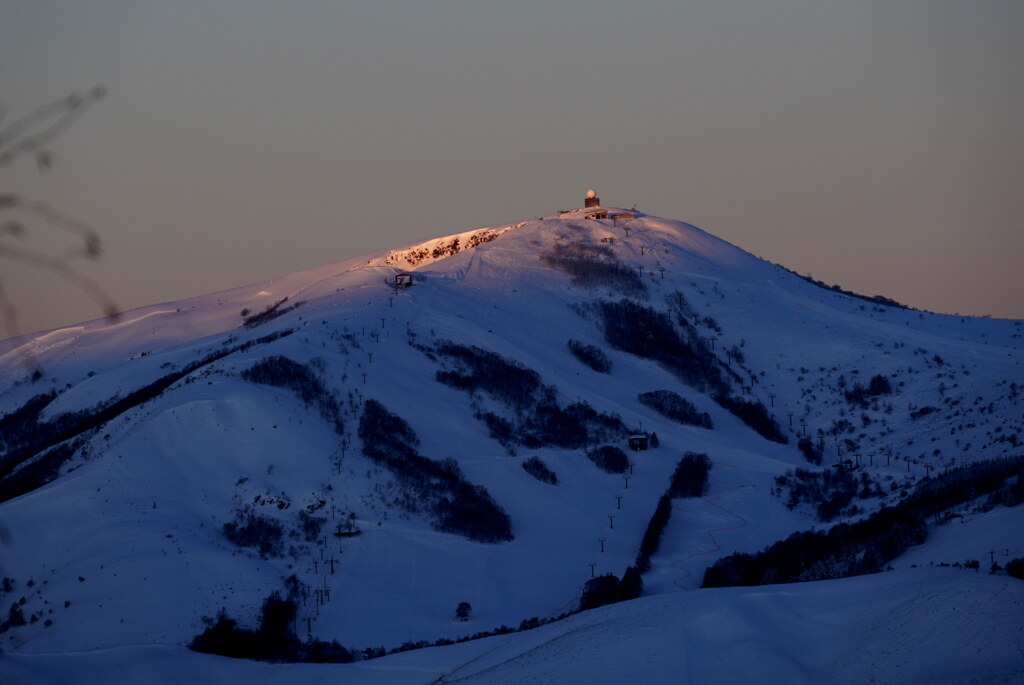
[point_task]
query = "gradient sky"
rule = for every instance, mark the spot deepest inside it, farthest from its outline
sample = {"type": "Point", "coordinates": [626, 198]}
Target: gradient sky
{"type": "Point", "coordinates": [878, 145]}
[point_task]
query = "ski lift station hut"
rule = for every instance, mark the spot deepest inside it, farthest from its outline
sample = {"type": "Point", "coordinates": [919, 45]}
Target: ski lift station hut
{"type": "Point", "coordinates": [638, 443]}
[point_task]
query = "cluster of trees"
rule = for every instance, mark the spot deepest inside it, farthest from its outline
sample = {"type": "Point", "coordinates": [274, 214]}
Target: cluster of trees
{"type": "Point", "coordinates": [865, 546]}
{"type": "Point", "coordinates": [874, 299]}
{"type": "Point", "coordinates": [310, 525]}
{"type": "Point", "coordinates": [755, 415]}
{"type": "Point", "coordinates": [651, 541]}
{"type": "Point", "coordinates": [812, 453]}
{"type": "Point", "coordinates": [609, 458]}
{"type": "Point", "coordinates": [476, 369]}
{"type": "Point", "coordinates": [249, 529]}
{"type": "Point", "coordinates": [550, 425]}
{"type": "Point", "coordinates": [591, 355]}
{"type": "Point", "coordinates": [539, 470]}
{"type": "Point", "coordinates": [573, 426]}
{"type": "Point", "coordinates": [469, 510]}
{"type": "Point", "coordinates": [456, 505]}
{"type": "Point", "coordinates": [19, 427]}
{"type": "Point", "coordinates": [645, 332]}
{"type": "Point", "coordinates": [22, 436]}
{"type": "Point", "coordinates": [593, 266]}
{"type": "Point", "coordinates": [675, 407]}
{"type": "Point", "coordinates": [40, 470]}
{"type": "Point", "coordinates": [862, 396]}
{"type": "Point", "coordinates": [648, 333]}
{"type": "Point", "coordinates": [274, 640]}
{"type": "Point", "coordinates": [282, 372]}
{"type": "Point", "coordinates": [269, 314]}
{"type": "Point", "coordinates": [1010, 496]}
{"type": "Point", "coordinates": [609, 589]}
{"type": "Point", "coordinates": [922, 412]}
{"type": "Point", "coordinates": [442, 248]}
{"type": "Point", "coordinates": [845, 550]}
{"type": "Point", "coordinates": [15, 617]}
{"type": "Point", "coordinates": [525, 624]}
{"type": "Point", "coordinates": [690, 479]}
{"type": "Point", "coordinates": [499, 428]}
{"type": "Point", "coordinates": [538, 419]}
{"type": "Point", "coordinates": [829, 491]}
{"type": "Point", "coordinates": [965, 483]}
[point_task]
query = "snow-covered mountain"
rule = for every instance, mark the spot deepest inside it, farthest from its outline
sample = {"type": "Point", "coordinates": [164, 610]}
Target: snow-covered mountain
{"type": "Point", "coordinates": [193, 458]}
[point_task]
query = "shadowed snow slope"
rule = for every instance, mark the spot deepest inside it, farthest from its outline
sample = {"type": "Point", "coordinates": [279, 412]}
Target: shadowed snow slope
{"type": "Point", "coordinates": [916, 626]}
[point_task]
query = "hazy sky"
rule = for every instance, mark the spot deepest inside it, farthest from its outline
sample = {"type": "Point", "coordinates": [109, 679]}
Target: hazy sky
{"type": "Point", "coordinates": [878, 145]}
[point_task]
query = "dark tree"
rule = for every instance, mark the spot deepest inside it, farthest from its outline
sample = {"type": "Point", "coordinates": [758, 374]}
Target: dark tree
{"type": "Point", "coordinates": [591, 355]}
{"type": "Point", "coordinates": [648, 333]}
{"type": "Point", "coordinates": [608, 589]}
{"type": "Point", "coordinates": [599, 591]}
{"type": "Point", "coordinates": [536, 417]}
{"type": "Point", "coordinates": [249, 529]}
{"type": "Point", "coordinates": [278, 618]}
{"type": "Point", "coordinates": [457, 505]}
{"type": "Point", "coordinates": [539, 470]}
{"type": "Point", "coordinates": [690, 479]}
{"type": "Point", "coordinates": [463, 611]}
{"type": "Point", "coordinates": [866, 545]}
{"type": "Point", "coordinates": [651, 540]}
{"type": "Point", "coordinates": [809, 450]}
{"type": "Point", "coordinates": [879, 385]}
{"type": "Point", "coordinates": [609, 458]}
{"type": "Point", "coordinates": [755, 415]}
{"type": "Point", "coordinates": [1015, 568]}
{"type": "Point", "coordinates": [593, 266]}
{"type": "Point", "coordinates": [632, 584]}
{"type": "Point", "coordinates": [273, 640]}
{"type": "Point", "coordinates": [675, 407]}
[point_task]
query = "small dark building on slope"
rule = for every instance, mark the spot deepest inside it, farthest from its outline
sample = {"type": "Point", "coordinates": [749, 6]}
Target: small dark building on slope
{"type": "Point", "coordinates": [638, 443]}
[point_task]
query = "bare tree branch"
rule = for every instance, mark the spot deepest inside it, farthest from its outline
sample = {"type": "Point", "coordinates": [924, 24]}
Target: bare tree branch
{"type": "Point", "coordinates": [8, 312]}
{"type": "Point", "coordinates": [90, 247]}
{"type": "Point", "coordinates": [60, 267]}
{"type": "Point", "coordinates": [29, 136]}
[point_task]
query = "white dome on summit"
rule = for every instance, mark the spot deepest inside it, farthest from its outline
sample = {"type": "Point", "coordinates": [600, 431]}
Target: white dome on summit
{"type": "Point", "coordinates": [591, 193]}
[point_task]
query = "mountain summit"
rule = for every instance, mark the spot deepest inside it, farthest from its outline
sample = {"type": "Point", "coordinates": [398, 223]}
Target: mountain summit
{"type": "Point", "coordinates": [488, 419]}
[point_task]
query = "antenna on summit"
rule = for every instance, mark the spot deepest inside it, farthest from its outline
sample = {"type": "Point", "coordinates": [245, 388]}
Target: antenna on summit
{"type": "Point", "coordinates": [592, 199]}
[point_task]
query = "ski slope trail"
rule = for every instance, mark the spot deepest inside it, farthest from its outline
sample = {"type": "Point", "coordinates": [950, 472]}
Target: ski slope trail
{"type": "Point", "coordinates": [716, 547]}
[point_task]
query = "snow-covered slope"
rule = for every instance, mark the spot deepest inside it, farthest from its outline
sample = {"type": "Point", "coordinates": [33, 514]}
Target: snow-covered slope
{"type": "Point", "coordinates": [943, 626]}
{"type": "Point", "coordinates": [121, 538]}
